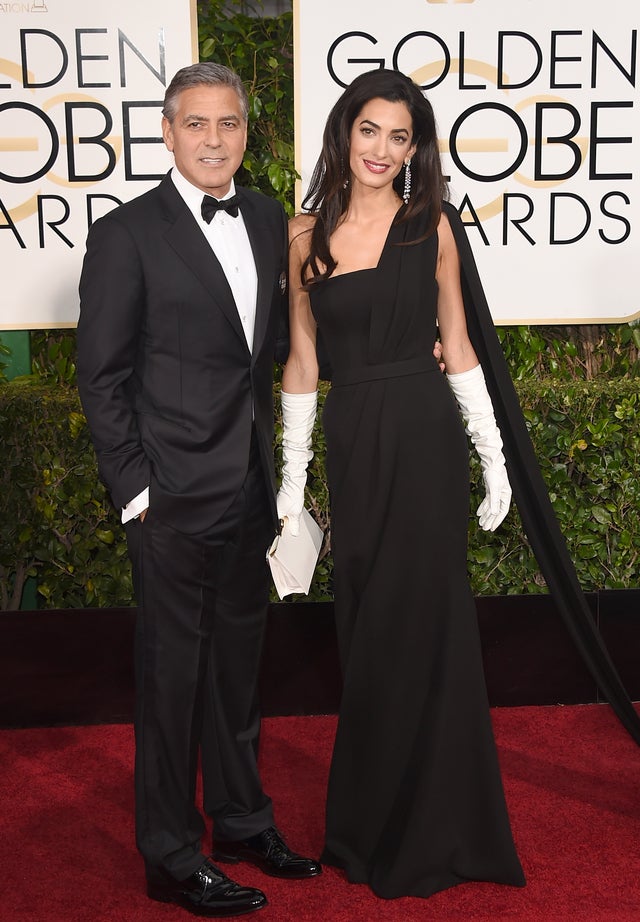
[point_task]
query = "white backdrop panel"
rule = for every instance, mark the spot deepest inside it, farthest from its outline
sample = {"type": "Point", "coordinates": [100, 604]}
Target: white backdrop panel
{"type": "Point", "coordinates": [538, 119]}
{"type": "Point", "coordinates": [81, 88]}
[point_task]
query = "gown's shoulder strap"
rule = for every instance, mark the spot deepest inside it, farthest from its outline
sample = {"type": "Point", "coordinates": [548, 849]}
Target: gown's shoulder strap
{"type": "Point", "coordinates": [406, 269]}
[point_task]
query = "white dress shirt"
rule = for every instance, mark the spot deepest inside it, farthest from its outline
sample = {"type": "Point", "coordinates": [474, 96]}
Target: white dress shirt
{"type": "Point", "coordinates": [229, 240]}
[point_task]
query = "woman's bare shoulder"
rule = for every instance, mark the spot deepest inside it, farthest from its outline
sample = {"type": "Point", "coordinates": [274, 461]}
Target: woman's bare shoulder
{"type": "Point", "coordinates": [300, 227]}
{"type": "Point", "coordinates": [300, 223]}
{"type": "Point", "coordinates": [444, 225]}
{"type": "Point", "coordinates": [446, 239]}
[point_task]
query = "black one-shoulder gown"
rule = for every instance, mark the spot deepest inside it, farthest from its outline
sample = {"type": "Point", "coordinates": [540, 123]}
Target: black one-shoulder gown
{"type": "Point", "coordinates": [415, 801]}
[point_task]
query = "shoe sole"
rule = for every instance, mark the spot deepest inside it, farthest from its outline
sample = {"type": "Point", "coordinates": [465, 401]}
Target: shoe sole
{"type": "Point", "coordinates": [160, 895]}
{"type": "Point", "coordinates": [264, 866]}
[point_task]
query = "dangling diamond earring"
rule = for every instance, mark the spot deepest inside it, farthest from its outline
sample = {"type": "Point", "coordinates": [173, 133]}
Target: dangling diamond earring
{"type": "Point", "coordinates": [345, 183]}
{"type": "Point", "coordinates": [406, 195]}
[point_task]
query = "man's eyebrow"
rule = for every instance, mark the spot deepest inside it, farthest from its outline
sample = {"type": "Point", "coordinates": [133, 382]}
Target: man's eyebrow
{"type": "Point", "coordinates": [194, 117]}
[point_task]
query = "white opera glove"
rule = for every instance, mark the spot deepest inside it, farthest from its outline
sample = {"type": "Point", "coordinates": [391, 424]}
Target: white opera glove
{"type": "Point", "coordinates": [298, 417]}
{"type": "Point", "coordinates": [470, 391]}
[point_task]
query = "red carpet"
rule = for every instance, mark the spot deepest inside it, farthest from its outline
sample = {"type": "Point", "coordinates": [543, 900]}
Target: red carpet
{"type": "Point", "coordinates": [572, 778]}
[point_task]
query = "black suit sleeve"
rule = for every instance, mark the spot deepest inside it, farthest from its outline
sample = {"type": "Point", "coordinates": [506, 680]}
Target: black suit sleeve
{"type": "Point", "coordinates": [112, 298]}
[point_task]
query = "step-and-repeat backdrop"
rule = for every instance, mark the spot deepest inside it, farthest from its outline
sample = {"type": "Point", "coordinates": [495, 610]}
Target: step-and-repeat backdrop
{"type": "Point", "coordinates": [81, 89]}
{"type": "Point", "coordinates": [537, 104]}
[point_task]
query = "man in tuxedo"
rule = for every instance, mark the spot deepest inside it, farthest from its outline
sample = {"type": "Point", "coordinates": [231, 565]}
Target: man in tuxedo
{"type": "Point", "coordinates": [180, 301]}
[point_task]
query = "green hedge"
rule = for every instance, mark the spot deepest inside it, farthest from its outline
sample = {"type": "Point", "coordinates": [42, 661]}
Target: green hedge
{"type": "Point", "coordinates": [587, 440]}
{"type": "Point", "coordinates": [59, 527]}
{"type": "Point", "coordinates": [58, 524]}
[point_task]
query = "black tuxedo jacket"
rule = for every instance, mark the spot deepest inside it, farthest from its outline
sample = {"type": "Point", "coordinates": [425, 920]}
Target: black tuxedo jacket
{"type": "Point", "coordinates": [167, 382]}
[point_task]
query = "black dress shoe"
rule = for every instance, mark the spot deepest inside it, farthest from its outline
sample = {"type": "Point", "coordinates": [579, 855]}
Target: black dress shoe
{"type": "Point", "coordinates": [269, 852]}
{"type": "Point", "coordinates": [206, 892]}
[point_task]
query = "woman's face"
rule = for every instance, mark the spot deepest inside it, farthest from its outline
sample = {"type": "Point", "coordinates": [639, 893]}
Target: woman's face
{"type": "Point", "coordinates": [380, 142]}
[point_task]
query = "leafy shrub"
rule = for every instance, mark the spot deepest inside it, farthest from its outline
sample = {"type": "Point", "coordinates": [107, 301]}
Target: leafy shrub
{"type": "Point", "coordinates": [260, 50]}
{"type": "Point", "coordinates": [587, 440]}
{"type": "Point", "coordinates": [59, 525]}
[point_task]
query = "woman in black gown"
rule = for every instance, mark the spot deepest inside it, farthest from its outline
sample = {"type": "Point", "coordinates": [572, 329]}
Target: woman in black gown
{"type": "Point", "coordinates": [415, 801]}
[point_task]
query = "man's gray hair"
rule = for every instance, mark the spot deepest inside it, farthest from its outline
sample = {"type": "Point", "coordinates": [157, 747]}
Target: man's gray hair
{"type": "Point", "coordinates": [204, 74]}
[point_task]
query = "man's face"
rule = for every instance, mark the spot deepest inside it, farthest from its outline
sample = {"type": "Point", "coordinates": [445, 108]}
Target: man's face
{"type": "Point", "coordinates": [208, 137]}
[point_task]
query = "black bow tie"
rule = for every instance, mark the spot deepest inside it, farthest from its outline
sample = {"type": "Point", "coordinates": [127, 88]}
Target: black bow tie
{"type": "Point", "coordinates": [210, 205]}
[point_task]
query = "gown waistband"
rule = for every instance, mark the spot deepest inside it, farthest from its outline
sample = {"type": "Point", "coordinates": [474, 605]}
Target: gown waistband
{"type": "Point", "coordinates": [387, 370]}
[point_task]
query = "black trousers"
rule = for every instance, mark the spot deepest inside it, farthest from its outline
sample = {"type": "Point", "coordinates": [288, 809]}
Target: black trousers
{"type": "Point", "coordinates": [202, 611]}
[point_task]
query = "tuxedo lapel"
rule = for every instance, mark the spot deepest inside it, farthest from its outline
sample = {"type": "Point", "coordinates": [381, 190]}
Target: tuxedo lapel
{"type": "Point", "coordinates": [263, 254]}
{"type": "Point", "coordinates": [186, 238]}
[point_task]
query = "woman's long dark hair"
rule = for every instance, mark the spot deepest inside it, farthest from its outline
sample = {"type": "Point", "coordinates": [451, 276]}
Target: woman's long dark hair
{"type": "Point", "coordinates": [328, 199]}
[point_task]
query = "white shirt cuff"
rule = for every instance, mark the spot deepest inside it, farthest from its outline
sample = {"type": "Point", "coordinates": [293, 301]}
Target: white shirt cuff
{"type": "Point", "coordinates": [137, 505]}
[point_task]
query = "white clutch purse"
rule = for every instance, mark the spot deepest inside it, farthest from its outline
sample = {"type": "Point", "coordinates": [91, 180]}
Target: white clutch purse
{"type": "Point", "coordinates": [293, 560]}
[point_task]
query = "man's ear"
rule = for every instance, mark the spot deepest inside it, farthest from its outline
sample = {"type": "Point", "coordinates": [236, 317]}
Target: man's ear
{"type": "Point", "coordinates": [167, 133]}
